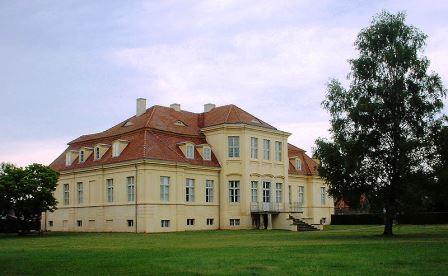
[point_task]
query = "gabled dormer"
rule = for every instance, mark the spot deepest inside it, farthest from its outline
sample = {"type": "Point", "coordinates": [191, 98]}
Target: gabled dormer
{"type": "Point", "coordinates": [297, 162]}
{"type": "Point", "coordinates": [187, 149]}
{"type": "Point", "coordinates": [99, 151]}
{"type": "Point", "coordinates": [205, 150]}
{"type": "Point", "coordinates": [118, 146]}
{"type": "Point", "coordinates": [70, 156]}
{"type": "Point", "coordinates": [84, 154]}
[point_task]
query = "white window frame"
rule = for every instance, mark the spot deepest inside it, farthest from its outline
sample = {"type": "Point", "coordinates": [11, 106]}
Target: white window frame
{"type": "Point", "coordinates": [116, 149]}
{"type": "Point", "coordinates": [190, 222]}
{"type": "Point", "coordinates": [254, 147]}
{"type": "Point", "coordinates": [66, 194]}
{"type": "Point", "coordinates": [97, 153]}
{"type": "Point", "coordinates": [301, 195]}
{"type": "Point", "coordinates": [210, 221]}
{"type": "Point", "coordinates": [278, 151]}
{"type": "Point", "coordinates": [254, 191]}
{"type": "Point", "coordinates": [189, 151]}
{"type": "Point", "coordinates": [298, 164]}
{"type": "Point", "coordinates": [278, 192]}
{"type": "Point", "coordinates": [209, 189]}
{"type": "Point", "coordinates": [80, 192]}
{"type": "Point", "coordinates": [130, 180]}
{"type": "Point", "coordinates": [234, 146]}
{"type": "Point", "coordinates": [266, 191]}
{"type": "Point", "coordinates": [266, 149]}
{"type": "Point", "coordinates": [323, 195]}
{"type": "Point", "coordinates": [165, 223]}
{"type": "Point", "coordinates": [207, 151]}
{"type": "Point", "coordinates": [165, 188]}
{"type": "Point", "coordinates": [68, 159]}
{"type": "Point", "coordinates": [189, 190]}
{"type": "Point", "coordinates": [130, 222]}
{"type": "Point", "coordinates": [235, 222]}
{"type": "Point", "coordinates": [234, 191]}
{"type": "Point", "coordinates": [110, 190]}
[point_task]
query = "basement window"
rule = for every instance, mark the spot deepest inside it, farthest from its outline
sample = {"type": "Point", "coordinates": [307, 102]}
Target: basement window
{"type": "Point", "coordinates": [234, 222]}
{"type": "Point", "coordinates": [130, 222]}
{"type": "Point", "coordinates": [50, 223]}
{"type": "Point", "coordinates": [165, 223]}
{"type": "Point", "coordinates": [79, 223]}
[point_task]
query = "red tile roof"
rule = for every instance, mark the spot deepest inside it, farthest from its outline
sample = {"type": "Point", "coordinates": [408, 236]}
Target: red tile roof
{"type": "Point", "coordinates": [309, 166]}
{"type": "Point", "coordinates": [156, 134]}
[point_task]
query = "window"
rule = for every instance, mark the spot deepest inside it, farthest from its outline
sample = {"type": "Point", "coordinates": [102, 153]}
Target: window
{"type": "Point", "coordinates": [189, 190]}
{"type": "Point", "coordinates": [301, 197]}
{"type": "Point", "coordinates": [298, 164]}
{"type": "Point", "coordinates": [253, 147]}
{"type": "Point", "coordinates": [234, 146]}
{"type": "Point", "coordinates": [209, 190]}
{"type": "Point", "coordinates": [97, 153]}
{"type": "Point", "coordinates": [234, 191]}
{"type": "Point", "coordinates": [190, 151]}
{"type": "Point", "coordinates": [254, 191]}
{"type": "Point", "coordinates": [116, 149]}
{"type": "Point", "coordinates": [164, 188]}
{"type": "Point", "coordinates": [130, 222]}
{"type": "Point", "coordinates": [165, 223]}
{"type": "Point", "coordinates": [234, 222]}
{"type": "Point", "coordinates": [278, 192]}
{"type": "Point", "coordinates": [289, 194]}
{"type": "Point", "coordinates": [68, 159]}
{"type": "Point", "coordinates": [266, 149]}
{"type": "Point", "coordinates": [80, 192]}
{"type": "Point", "coordinates": [266, 191]}
{"type": "Point", "coordinates": [110, 190]}
{"type": "Point", "coordinates": [81, 156]}
{"type": "Point", "coordinates": [322, 195]}
{"type": "Point", "coordinates": [210, 221]}
{"type": "Point", "coordinates": [207, 153]}
{"type": "Point", "coordinates": [278, 151]}
{"type": "Point", "coordinates": [190, 221]}
{"type": "Point", "coordinates": [50, 223]}
{"type": "Point", "coordinates": [79, 223]}
{"type": "Point", "coordinates": [66, 194]}
{"type": "Point", "coordinates": [131, 188]}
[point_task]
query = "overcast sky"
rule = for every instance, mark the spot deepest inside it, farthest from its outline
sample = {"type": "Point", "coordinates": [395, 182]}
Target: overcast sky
{"type": "Point", "coordinates": [70, 68]}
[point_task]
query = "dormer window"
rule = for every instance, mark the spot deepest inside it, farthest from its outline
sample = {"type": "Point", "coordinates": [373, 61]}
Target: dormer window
{"type": "Point", "coordinates": [190, 151]}
{"type": "Point", "coordinates": [180, 123]}
{"type": "Point", "coordinates": [81, 156]}
{"type": "Point", "coordinates": [128, 123]}
{"type": "Point", "coordinates": [68, 159]}
{"type": "Point", "coordinates": [116, 149]}
{"type": "Point", "coordinates": [298, 164]}
{"type": "Point", "coordinates": [97, 153]}
{"type": "Point", "coordinates": [207, 153]}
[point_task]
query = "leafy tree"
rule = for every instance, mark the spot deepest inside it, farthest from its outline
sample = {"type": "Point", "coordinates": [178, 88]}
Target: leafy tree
{"type": "Point", "coordinates": [384, 124]}
{"type": "Point", "coordinates": [27, 192]}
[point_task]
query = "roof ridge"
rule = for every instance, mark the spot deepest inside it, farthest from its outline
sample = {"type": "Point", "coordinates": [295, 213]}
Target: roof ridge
{"type": "Point", "coordinates": [228, 113]}
{"type": "Point", "coordinates": [235, 108]}
{"type": "Point", "coordinates": [150, 115]}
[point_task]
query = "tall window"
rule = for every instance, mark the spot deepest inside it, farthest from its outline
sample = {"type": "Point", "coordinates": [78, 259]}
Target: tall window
{"type": "Point", "coordinates": [298, 164]}
{"type": "Point", "coordinates": [81, 156]}
{"type": "Point", "coordinates": [234, 146]}
{"type": "Point", "coordinates": [301, 197]}
{"type": "Point", "coordinates": [164, 188]}
{"type": "Point", "coordinates": [207, 153]}
{"type": "Point", "coordinates": [189, 190]}
{"type": "Point", "coordinates": [209, 191]}
{"type": "Point", "coordinates": [323, 195]}
{"type": "Point", "coordinates": [66, 194]}
{"type": "Point", "coordinates": [289, 194]}
{"type": "Point", "coordinates": [97, 153]}
{"type": "Point", "coordinates": [278, 151]}
{"type": "Point", "coordinates": [190, 151]}
{"type": "Point", "coordinates": [110, 190]}
{"type": "Point", "coordinates": [253, 147]}
{"type": "Point", "coordinates": [266, 149]}
{"type": "Point", "coordinates": [68, 159]}
{"type": "Point", "coordinates": [234, 191]}
{"type": "Point", "coordinates": [116, 149]}
{"type": "Point", "coordinates": [266, 191]}
{"type": "Point", "coordinates": [254, 191]}
{"type": "Point", "coordinates": [80, 192]}
{"type": "Point", "coordinates": [278, 192]}
{"type": "Point", "coordinates": [131, 188]}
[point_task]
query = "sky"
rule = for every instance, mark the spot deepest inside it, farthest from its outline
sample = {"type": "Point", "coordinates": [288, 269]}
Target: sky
{"type": "Point", "coordinates": [70, 68]}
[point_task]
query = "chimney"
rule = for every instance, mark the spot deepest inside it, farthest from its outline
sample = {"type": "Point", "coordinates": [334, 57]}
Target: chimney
{"type": "Point", "coordinates": [208, 107]}
{"type": "Point", "coordinates": [175, 106]}
{"type": "Point", "coordinates": [141, 106]}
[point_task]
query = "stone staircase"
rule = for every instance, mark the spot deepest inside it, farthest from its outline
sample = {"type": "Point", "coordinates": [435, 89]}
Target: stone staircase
{"type": "Point", "coordinates": [302, 225]}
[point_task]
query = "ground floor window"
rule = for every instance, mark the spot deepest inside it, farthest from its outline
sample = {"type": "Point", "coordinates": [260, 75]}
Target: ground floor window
{"type": "Point", "coordinates": [209, 221]}
{"type": "Point", "coordinates": [190, 221]}
{"type": "Point", "coordinates": [165, 223]}
{"type": "Point", "coordinates": [130, 222]}
{"type": "Point", "coordinates": [50, 223]}
{"type": "Point", "coordinates": [234, 222]}
{"type": "Point", "coordinates": [79, 223]}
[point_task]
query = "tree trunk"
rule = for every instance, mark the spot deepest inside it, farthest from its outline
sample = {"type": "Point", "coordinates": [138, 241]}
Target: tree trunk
{"type": "Point", "coordinates": [388, 224]}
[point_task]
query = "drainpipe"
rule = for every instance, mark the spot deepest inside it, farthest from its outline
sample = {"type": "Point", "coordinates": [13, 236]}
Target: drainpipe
{"type": "Point", "coordinates": [136, 195]}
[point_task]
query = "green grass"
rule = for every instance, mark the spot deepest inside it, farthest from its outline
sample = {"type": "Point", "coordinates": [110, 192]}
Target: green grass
{"type": "Point", "coordinates": [337, 250]}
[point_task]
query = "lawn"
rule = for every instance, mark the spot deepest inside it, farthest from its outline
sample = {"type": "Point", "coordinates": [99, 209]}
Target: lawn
{"type": "Point", "coordinates": [336, 250]}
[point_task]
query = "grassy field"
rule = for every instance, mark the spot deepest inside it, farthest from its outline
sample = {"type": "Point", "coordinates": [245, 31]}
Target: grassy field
{"type": "Point", "coordinates": [337, 250]}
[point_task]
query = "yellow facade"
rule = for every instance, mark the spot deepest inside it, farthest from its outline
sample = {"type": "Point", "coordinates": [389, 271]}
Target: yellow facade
{"type": "Point", "coordinates": [90, 207]}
